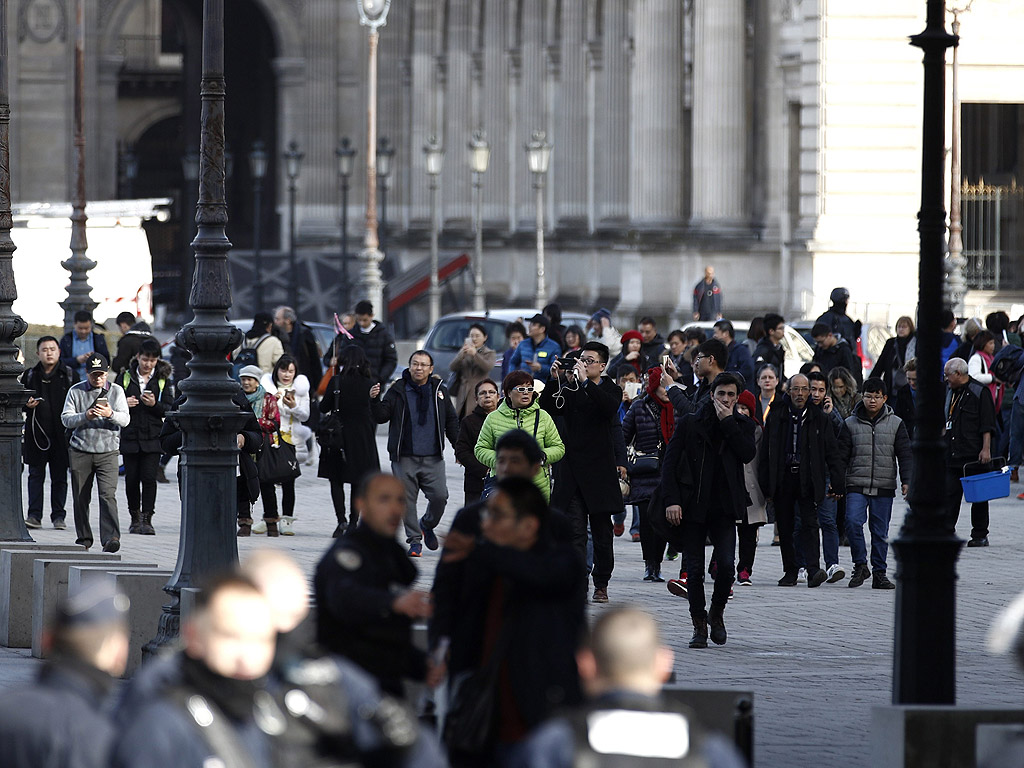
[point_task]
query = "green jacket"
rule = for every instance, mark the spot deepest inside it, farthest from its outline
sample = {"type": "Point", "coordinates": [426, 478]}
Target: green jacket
{"type": "Point", "coordinates": [531, 420]}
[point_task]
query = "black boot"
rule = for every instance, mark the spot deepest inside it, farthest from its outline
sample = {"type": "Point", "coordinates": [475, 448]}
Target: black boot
{"type": "Point", "coordinates": [657, 573]}
{"type": "Point", "coordinates": [717, 621]}
{"type": "Point", "coordinates": [649, 571]}
{"type": "Point", "coordinates": [134, 527]}
{"type": "Point", "coordinates": [700, 633]}
{"type": "Point", "coordinates": [146, 524]}
{"type": "Point", "coordinates": [860, 575]}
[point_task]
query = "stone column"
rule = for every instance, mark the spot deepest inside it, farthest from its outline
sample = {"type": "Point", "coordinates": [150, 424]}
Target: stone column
{"type": "Point", "coordinates": [656, 177]}
{"type": "Point", "coordinates": [719, 116]}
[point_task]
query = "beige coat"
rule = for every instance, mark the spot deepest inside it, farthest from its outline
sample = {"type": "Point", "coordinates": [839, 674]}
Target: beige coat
{"type": "Point", "coordinates": [756, 512]}
{"type": "Point", "coordinates": [470, 369]}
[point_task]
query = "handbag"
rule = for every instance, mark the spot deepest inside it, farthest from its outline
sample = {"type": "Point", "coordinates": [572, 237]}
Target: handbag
{"type": "Point", "coordinates": [330, 434]}
{"type": "Point", "coordinates": [470, 725]}
{"type": "Point", "coordinates": [278, 463]}
{"type": "Point", "coordinates": [641, 464]}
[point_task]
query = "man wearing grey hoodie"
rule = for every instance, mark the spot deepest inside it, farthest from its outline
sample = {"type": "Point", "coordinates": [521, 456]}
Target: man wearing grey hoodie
{"type": "Point", "coordinates": [95, 411]}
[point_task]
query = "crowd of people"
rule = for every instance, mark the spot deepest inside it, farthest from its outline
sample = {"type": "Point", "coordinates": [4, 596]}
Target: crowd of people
{"type": "Point", "coordinates": [705, 436]}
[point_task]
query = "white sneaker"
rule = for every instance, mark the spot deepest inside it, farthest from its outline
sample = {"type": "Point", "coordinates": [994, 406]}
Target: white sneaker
{"type": "Point", "coordinates": [285, 526]}
{"type": "Point", "coordinates": [260, 526]}
{"type": "Point", "coordinates": [834, 573]}
{"type": "Point", "coordinates": [801, 575]}
{"type": "Point", "coordinates": [314, 452]}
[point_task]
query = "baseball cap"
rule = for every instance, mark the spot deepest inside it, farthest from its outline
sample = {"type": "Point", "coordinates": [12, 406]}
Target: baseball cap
{"type": "Point", "coordinates": [96, 362]}
{"type": "Point", "coordinates": [540, 319]}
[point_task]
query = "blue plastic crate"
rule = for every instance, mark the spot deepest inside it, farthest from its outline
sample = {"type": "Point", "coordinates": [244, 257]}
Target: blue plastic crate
{"type": "Point", "coordinates": [986, 486]}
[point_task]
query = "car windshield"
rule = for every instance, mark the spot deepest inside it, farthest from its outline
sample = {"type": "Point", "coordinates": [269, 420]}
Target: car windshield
{"type": "Point", "coordinates": [450, 335]}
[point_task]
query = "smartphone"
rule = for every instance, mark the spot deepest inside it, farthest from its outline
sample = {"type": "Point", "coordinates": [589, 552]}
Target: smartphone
{"type": "Point", "coordinates": [664, 362]}
{"type": "Point", "coordinates": [101, 402]}
{"type": "Point", "coordinates": [632, 389]}
{"type": "Point", "coordinates": [467, 341]}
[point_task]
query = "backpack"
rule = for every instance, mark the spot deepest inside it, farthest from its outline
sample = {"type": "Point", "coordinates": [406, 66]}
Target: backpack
{"type": "Point", "coordinates": [1008, 364]}
{"type": "Point", "coordinates": [246, 355]}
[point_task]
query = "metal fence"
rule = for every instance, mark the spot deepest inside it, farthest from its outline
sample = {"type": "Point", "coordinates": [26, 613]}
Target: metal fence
{"type": "Point", "coordinates": [993, 228]}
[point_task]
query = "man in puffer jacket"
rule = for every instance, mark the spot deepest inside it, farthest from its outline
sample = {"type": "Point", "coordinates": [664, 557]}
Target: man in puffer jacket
{"type": "Point", "coordinates": [875, 439]}
{"type": "Point", "coordinates": [519, 409]}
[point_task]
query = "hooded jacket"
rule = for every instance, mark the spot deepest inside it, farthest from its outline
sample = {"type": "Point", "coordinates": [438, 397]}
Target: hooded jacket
{"type": "Point", "coordinates": [142, 435]}
{"type": "Point", "coordinates": [531, 420]}
{"type": "Point", "coordinates": [128, 346]}
{"type": "Point", "coordinates": [871, 450]}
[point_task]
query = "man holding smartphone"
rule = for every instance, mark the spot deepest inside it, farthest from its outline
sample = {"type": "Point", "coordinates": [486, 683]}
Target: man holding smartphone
{"type": "Point", "coordinates": [95, 411]}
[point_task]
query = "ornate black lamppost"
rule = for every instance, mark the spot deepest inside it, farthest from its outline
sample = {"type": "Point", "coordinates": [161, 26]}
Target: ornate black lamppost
{"type": "Point", "coordinates": [479, 156]}
{"type": "Point", "coordinates": [209, 419]}
{"type": "Point", "coordinates": [346, 164]}
{"type": "Point", "coordinates": [433, 156]}
{"type": "Point", "coordinates": [924, 660]}
{"type": "Point", "coordinates": [538, 154]}
{"type": "Point", "coordinates": [258, 170]}
{"type": "Point", "coordinates": [12, 394]}
{"type": "Point", "coordinates": [293, 164]}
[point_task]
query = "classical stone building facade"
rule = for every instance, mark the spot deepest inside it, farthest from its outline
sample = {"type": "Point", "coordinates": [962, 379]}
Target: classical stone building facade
{"type": "Point", "coordinates": [776, 139]}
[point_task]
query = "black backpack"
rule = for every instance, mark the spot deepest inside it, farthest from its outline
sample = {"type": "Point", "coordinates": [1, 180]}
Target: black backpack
{"type": "Point", "coordinates": [1008, 364]}
{"type": "Point", "coordinates": [246, 356]}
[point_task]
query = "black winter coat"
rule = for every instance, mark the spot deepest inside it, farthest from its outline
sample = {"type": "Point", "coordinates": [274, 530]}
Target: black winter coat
{"type": "Point", "coordinates": [766, 352]}
{"type": "Point", "coordinates": [302, 345]}
{"type": "Point", "coordinates": [356, 582]}
{"type": "Point", "coordinates": [60, 720]}
{"type": "Point", "coordinates": [973, 416]}
{"type": "Point", "coordinates": [819, 451]}
{"type": "Point", "coordinates": [44, 432]}
{"type": "Point", "coordinates": [838, 354]}
{"type": "Point", "coordinates": [691, 478]}
{"type": "Point", "coordinates": [469, 431]}
{"type": "Point", "coordinates": [379, 346]}
{"type": "Point", "coordinates": [128, 346]}
{"type": "Point", "coordinates": [587, 419]}
{"type": "Point", "coordinates": [393, 408]}
{"type": "Point", "coordinates": [350, 396]}
{"type": "Point", "coordinates": [142, 435]}
{"type": "Point", "coordinates": [641, 428]}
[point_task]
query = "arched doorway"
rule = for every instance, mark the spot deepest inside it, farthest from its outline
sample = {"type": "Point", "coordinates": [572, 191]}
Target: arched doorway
{"type": "Point", "coordinates": [161, 45]}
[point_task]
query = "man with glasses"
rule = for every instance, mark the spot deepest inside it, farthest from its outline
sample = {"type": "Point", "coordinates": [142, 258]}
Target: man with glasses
{"type": "Point", "coordinates": [970, 423]}
{"type": "Point", "coordinates": [798, 451]}
{"type": "Point", "coordinates": [874, 441]}
{"type": "Point", "coordinates": [586, 480]}
{"type": "Point", "coordinates": [711, 359]}
{"type": "Point", "coordinates": [420, 414]}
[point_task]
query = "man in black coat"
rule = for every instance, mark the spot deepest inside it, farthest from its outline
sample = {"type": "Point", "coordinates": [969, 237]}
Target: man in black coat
{"type": "Point", "coordinates": [375, 339]}
{"type": "Point", "coordinates": [653, 344]}
{"type": "Point", "coordinates": [585, 404]}
{"type": "Point", "coordinates": [301, 344]}
{"type": "Point", "coordinates": [133, 333]}
{"type": "Point", "coordinates": [519, 592]}
{"type": "Point", "coordinates": [44, 443]}
{"type": "Point", "coordinates": [836, 318]}
{"type": "Point", "coordinates": [703, 494]}
{"type": "Point", "coordinates": [769, 350]}
{"type": "Point", "coordinates": [740, 360]}
{"type": "Point", "coordinates": [365, 608]}
{"type": "Point", "coordinates": [798, 450]}
{"type": "Point", "coordinates": [147, 388]}
{"type": "Point", "coordinates": [61, 720]}
{"type": "Point", "coordinates": [832, 351]}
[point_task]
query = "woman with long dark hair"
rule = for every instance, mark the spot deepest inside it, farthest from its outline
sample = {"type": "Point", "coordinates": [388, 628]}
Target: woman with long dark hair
{"type": "Point", "coordinates": [348, 395]}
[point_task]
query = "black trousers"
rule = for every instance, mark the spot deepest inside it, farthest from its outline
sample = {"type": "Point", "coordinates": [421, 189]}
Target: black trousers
{"type": "Point", "coordinates": [721, 529]}
{"type": "Point", "coordinates": [651, 544]}
{"type": "Point", "coordinates": [140, 474]}
{"type": "Point", "coordinates": [954, 497]}
{"type": "Point", "coordinates": [57, 460]}
{"type": "Point", "coordinates": [747, 535]}
{"type": "Point", "coordinates": [600, 531]}
{"type": "Point", "coordinates": [338, 499]}
{"type": "Point", "coordinates": [790, 500]}
{"type": "Point", "coordinates": [268, 492]}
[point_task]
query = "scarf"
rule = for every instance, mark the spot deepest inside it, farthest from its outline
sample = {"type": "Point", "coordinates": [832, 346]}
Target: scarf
{"type": "Point", "coordinates": [256, 400]}
{"type": "Point", "coordinates": [422, 396]}
{"type": "Point", "coordinates": [667, 421]}
{"type": "Point", "coordinates": [233, 697]}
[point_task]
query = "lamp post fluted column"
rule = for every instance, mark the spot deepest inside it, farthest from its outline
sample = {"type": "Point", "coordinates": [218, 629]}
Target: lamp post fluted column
{"type": "Point", "coordinates": [79, 292]}
{"type": "Point", "coordinates": [13, 394]}
{"type": "Point", "coordinates": [479, 156]}
{"type": "Point", "coordinates": [293, 161]}
{"type": "Point", "coordinates": [258, 170]}
{"type": "Point", "coordinates": [433, 154]}
{"type": "Point", "coordinates": [926, 550]}
{"type": "Point", "coordinates": [956, 287]}
{"type": "Point", "coordinates": [372, 14]}
{"type": "Point", "coordinates": [209, 419]}
{"type": "Point", "coordinates": [538, 153]}
{"type": "Point", "coordinates": [346, 154]}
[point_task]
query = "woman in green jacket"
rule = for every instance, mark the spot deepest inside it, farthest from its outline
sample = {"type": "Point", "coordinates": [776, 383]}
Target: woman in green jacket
{"type": "Point", "coordinates": [519, 410]}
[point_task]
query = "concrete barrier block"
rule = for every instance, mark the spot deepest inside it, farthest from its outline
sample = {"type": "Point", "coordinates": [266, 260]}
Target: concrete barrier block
{"type": "Point", "coordinates": [16, 571]}
{"type": "Point", "coordinates": [27, 546]}
{"type": "Point", "coordinates": [935, 736]}
{"type": "Point", "coordinates": [50, 586]}
{"type": "Point", "coordinates": [188, 602]}
{"type": "Point", "coordinates": [81, 576]}
{"type": "Point", "coordinates": [145, 590]}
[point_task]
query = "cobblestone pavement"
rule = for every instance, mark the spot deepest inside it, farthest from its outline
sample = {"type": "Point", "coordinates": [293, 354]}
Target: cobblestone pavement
{"type": "Point", "coordinates": [817, 660]}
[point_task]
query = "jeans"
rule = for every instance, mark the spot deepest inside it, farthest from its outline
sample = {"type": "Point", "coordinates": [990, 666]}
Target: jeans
{"type": "Point", "coordinates": [721, 528]}
{"type": "Point", "coordinates": [140, 471]}
{"type": "Point", "coordinates": [826, 513]}
{"type": "Point", "coordinates": [424, 473]}
{"type": "Point", "coordinates": [790, 502]}
{"type": "Point", "coordinates": [634, 525]}
{"type": "Point", "coordinates": [103, 468]}
{"type": "Point", "coordinates": [600, 530]}
{"type": "Point", "coordinates": [58, 463]}
{"type": "Point", "coordinates": [955, 495]}
{"type": "Point", "coordinates": [876, 511]}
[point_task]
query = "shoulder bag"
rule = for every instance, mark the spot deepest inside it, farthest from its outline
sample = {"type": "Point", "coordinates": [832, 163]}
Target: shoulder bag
{"type": "Point", "coordinates": [331, 433]}
{"type": "Point", "coordinates": [278, 463]}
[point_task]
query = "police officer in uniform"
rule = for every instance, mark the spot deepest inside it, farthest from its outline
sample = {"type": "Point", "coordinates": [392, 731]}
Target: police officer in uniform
{"type": "Point", "coordinates": [62, 720]}
{"type": "Point", "coordinates": [626, 721]}
{"type": "Point", "coordinates": [365, 607]}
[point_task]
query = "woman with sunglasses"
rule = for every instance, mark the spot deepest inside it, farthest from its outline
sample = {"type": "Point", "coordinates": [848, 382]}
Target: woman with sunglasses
{"type": "Point", "coordinates": [520, 410]}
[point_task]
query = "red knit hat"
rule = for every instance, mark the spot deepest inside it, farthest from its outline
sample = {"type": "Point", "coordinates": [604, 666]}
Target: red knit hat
{"type": "Point", "coordinates": [653, 379]}
{"type": "Point", "coordinates": [629, 335]}
{"type": "Point", "coordinates": [747, 399]}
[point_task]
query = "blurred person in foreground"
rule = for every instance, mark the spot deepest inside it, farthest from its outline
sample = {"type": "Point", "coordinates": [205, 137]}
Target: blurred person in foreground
{"type": "Point", "coordinates": [62, 720]}
{"type": "Point", "coordinates": [626, 720]}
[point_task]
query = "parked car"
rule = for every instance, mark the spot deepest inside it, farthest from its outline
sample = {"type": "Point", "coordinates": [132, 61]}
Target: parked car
{"type": "Point", "coordinates": [446, 338]}
{"type": "Point", "coordinates": [798, 351]}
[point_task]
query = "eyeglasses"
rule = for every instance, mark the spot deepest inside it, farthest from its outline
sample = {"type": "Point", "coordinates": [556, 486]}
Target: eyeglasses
{"type": "Point", "coordinates": [590, 360]}
{"type": "Point", "coordinates": [698, 357]}
{"type": "Point", "coordinates": [420, 365]}
{"type": "Point", "coordinates": [522, 390]}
